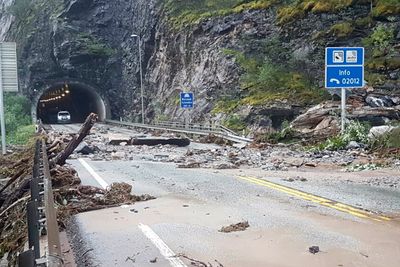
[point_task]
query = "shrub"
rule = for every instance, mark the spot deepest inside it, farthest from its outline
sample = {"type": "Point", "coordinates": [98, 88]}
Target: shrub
{"type": "Point", "coordinates": [17, 116]}
{"type": "Point", "coordinates": [380, 41]}
{"type": "Point", "coordinates": [355, 131]}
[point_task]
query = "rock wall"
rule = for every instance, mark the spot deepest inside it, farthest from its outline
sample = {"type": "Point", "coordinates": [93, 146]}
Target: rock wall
{"type": "Point", "coordinates": [90, 41]}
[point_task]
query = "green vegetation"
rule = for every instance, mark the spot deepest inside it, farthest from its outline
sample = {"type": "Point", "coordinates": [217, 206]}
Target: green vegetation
{"type": "Point", "coordinates": [285, 135]}
{"type": "Point", "coordinates": [263, 81]}
{"type": "Point", "coordinates": [298, 9]}
{"type": "Point", "coordinates": [94, 47]}
{"type": "Point", "coordinates": [385, 8]}
{"type": "Point", "coordinates": [189, 12]}
{"type": "Point", "coordinates": [380, 41]}
{"type": "Point", "coordinates": [226, 105]}
{"type": "Point", "coordinates": [381, 54]}
{"type": "Point", "coordinates": [235, 123]}
{"type": "Point", "coordinates": [389, 140]}
{"type": "Point", "coordinates": [22, 135]}
{"type": "Point", "coordinates": [355, 131]}
{"type": "Point", "coordinates": [341, 30]}
{"type": "Point", "coordinates": [17, 117]}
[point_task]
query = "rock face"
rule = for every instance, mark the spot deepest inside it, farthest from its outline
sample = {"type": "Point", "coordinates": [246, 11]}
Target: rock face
{"type": "Point", "coordinates": [90, 41]}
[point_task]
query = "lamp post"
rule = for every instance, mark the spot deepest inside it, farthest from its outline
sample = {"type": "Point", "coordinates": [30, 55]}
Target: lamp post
{"type": "Point", "coordinates": [140, 67]}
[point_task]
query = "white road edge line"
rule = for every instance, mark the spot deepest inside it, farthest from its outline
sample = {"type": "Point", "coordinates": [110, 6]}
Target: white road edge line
{"type": "Point", "coordinates": [93, 173]}
{"type": "Point", "coordinates": [162, 247]}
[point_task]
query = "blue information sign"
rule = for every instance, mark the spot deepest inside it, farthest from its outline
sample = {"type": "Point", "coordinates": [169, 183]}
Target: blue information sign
{"type": "Point", "coordinates": [344, 67]}
{"type": "Point", "coordinates": [187, 100]}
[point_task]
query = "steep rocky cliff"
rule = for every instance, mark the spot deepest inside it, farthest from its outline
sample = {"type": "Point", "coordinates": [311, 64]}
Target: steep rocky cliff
{"type": "Point", "coordinates": [248, 62]}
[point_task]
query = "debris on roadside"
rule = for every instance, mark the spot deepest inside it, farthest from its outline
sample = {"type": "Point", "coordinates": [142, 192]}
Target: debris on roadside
{"type": "Point", "coordinates": [297, 178]}
{"type": "Point", "coordinates": [180, 142]}
{"type": "Point", "coordinates": [235, 227]}
{"type": "Point", "coordinates": [197, 263]}
{"type": "Point", "coordinates": [314, 249]}
{"type": "Point", "coordinates": [363, 167]}
{"type": "Point", "coordinates": [70, 196]}
{"type": "Point", "coordinates": [211, 138]}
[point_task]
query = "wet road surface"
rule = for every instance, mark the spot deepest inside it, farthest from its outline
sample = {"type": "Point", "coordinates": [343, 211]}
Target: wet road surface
{"type": "Point", "coordinates": [193, 204]}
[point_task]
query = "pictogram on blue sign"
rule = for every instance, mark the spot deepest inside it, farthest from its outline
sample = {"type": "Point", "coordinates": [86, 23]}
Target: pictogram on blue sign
{"type": "Point", "coordinates": [187, 100]}
{"type": "Point", "coordinates": [344, 67]}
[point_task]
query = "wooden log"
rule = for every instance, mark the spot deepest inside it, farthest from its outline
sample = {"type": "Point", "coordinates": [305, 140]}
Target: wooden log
{"type": "Point", "coordinates": [181, 142]}
{"type": "Point", "coordinates": [76, 140]}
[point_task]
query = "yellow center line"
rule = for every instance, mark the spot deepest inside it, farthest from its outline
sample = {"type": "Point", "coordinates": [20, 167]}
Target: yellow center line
{"type": "Point", "coordinates": [316, 199]}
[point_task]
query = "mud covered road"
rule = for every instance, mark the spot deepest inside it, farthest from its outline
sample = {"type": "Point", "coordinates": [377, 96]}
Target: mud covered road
{"type": "Point", "coordinates": [352, 222]}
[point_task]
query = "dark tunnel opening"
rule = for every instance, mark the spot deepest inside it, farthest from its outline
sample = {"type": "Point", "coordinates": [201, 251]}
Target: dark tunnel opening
{"type": "Point", "coordinates": [77, 100]}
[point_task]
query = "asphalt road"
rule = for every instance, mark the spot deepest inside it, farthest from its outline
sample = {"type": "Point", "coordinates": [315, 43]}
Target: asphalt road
{"type": "Point", "coordinates": [192, 205]}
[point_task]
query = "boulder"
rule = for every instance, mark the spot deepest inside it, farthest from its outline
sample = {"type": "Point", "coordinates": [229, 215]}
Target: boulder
{"type": "Point", "coordinates": [317, 121]}
{"type": "Point", "coordinates": [379, 131]}
{"type": "Point", "coordinates": [85, 149]}
{"type": "Point", "coordinates": [379, 101]}
{"type": "Point", "coordinates": [353, 145]}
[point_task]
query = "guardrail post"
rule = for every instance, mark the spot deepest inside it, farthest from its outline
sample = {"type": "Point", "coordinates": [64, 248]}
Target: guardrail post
{"type": "Point", "coordinates": [26, 259]}
{"type": "Point", "coordinates": [33, 227]}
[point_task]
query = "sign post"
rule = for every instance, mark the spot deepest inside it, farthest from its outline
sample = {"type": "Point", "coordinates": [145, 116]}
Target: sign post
{"type": "Point", "coordinates": [8, 81]}
{"type": "Point", "coordinates": [187, 100]}
{"type": "Point", "coordinates": [344, 68]}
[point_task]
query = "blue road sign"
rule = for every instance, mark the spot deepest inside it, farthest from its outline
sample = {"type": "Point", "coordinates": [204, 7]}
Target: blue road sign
{"type": "Point", "coordinates": [187, 100]}
{"type": "Point", "coordinates": [344, 67]}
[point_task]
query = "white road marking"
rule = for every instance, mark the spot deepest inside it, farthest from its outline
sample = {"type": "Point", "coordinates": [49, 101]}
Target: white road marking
{"type": "Point", "coordinates": [162, 247]}
{"type": "Point", "coordinates": [93, 173]}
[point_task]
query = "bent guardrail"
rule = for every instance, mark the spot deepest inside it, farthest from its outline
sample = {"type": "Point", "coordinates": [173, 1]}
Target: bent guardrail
{"type": "Point", "coordinates": [43, 235]}
{"type": "Point", "coordinates": [189, 128]}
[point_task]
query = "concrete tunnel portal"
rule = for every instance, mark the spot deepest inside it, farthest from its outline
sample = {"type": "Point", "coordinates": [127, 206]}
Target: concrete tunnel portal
{"type": "Point", "coordinates": [77, 98]}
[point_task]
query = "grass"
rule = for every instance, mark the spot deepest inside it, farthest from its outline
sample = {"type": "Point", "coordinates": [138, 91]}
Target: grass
{"type": "Point", "coordinates": [22, 135]}
{"type": "Point", "coordinates": [93, 46]}
{"type": "Point", "coordinates": [385, 8]}
{"type": "Point", "coordinates": [299, 9]}
{"type": "Point", "coordinates": [188, 12]}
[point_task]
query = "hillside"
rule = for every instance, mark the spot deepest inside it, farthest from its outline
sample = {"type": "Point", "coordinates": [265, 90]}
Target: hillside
{"type": "Point", "coordinates": [250, 63]}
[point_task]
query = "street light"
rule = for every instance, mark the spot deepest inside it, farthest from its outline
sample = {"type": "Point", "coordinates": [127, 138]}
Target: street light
{"type": "Point", "coordinates": [141, 78]}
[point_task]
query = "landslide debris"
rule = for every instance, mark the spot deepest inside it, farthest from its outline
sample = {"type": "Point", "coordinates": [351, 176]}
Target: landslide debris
{"type": "Point", "coordinates": [69, 195]}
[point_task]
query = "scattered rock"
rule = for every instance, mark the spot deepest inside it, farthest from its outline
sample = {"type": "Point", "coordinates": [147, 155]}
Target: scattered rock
{"type": "Point", "coordinates": [235, 227]}
{"type": "Point", "coordinates": [117, 155]}
{"type": "Point", "coordinates": [225, 165]}
{"type": "Point", "coordinates": [313, 249]}
{"type": "Point", "coordinates": [296, 162]}
{"type": "Point", "coordinates": [189, 165]}
{"type": "Point", "coordinates": [85, 149]}
{"type": "Point", "coordinates": [353, 145]}
{"type": "Point", "coordinates": [311, 164]}
{"type": "Point", "coordinates": [154, 260]}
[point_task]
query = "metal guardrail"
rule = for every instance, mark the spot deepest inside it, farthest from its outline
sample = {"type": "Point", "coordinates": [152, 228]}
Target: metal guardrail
{"type": "Point", "coordinates": [189, 128]}
{"type": "Point", "coordinates": [43, 236]}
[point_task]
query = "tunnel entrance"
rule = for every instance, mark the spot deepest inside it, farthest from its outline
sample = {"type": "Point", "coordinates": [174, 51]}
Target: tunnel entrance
{"type": "Point", "coordinates": [77, 99]}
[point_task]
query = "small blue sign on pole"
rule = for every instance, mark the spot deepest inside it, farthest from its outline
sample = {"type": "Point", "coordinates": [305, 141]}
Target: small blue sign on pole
{"type": "Point", "coordinates": [344, 67]}
{"type": "Point", "coordinates": [187, 100]}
